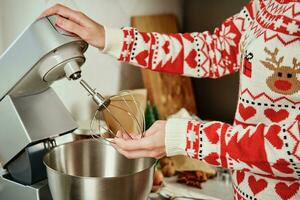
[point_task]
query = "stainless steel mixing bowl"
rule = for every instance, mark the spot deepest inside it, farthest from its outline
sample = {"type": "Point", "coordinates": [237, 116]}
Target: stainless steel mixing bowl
{"type": "Point", "coordinates": [91, 170]}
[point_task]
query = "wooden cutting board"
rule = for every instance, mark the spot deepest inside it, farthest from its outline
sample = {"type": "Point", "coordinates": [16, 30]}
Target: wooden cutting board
{"type": "Point", "coordinates": [167, 91]}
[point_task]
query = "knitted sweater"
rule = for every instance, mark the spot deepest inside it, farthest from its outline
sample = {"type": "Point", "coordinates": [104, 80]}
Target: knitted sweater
{"type": "Point", "coordinates": [262, 42]}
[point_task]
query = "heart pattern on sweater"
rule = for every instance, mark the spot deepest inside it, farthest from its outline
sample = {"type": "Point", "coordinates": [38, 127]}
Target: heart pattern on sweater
{"type": "Point", "coordinates": [240, 175]}
{"type": "Point", "coordinates": [212, 159]}
{"type": "Point", "coordinates": [146, 37]}
{"type": "Point", "coordinates": [211, 133]}
{"type": "Point", "coordinates": [191, 59]}
{"type": "Point", "coordinates": [273, 136]}
{"type": "Point", "coordinates": [166, 47]}
{"type": "Point", "coordinates": [283, 166]}
{"type": "Point", "coordinates": [257, 186]}
{"type": "Point", "coordinates": [246, 112]}
{"type": "Point", "coordinates": [276, 116]}
{"type": "Point", "coordinates": [188, 37]}
{"type": "Point", "coordinates": [141, 58]}
{"type": "Point", "coordinates": [285, 191]}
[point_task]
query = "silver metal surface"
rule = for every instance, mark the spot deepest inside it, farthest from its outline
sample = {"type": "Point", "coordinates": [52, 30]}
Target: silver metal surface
{"type": "Point", "coordinates": [98, 98]}
{"type": "Point", "coordinates": [31, 112]}
{"type": "Point", "coordinates": [72, 70]}
{"type": "Point", "coordinates": [10, 190]}
{"type": "Point", "coordinates": [25, 120]}
{"type": "Point", "coordinates": [91, 170]}
{"type": "Point", "coordinates": [38, 40]}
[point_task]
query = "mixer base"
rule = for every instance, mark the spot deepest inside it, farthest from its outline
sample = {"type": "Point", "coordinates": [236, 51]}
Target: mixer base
{"type": "Point", "coordinates": [10, 190]}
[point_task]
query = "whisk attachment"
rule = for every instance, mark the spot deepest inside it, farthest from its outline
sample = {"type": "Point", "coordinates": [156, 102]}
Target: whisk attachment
{"type": "Point", "coordinates": [120, 112]}
{"type": "Point", "coordinates": [98, 98]}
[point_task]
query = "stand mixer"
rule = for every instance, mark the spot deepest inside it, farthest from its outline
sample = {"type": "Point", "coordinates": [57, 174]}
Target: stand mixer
{"type": "Point", "coordinates": [33, 119]}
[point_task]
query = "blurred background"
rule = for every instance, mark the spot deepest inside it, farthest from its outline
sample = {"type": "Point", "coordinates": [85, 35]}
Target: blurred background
{"type": "Point", "coordinates": [216, 99]}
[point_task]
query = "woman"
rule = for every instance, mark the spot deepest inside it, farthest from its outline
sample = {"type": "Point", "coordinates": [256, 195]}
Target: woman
{"type": "Point", "coordinates": [261, 42]}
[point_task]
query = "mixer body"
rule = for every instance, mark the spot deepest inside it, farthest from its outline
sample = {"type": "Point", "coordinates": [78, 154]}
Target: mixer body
{"type": "Point", "coordinates": [32, 115]}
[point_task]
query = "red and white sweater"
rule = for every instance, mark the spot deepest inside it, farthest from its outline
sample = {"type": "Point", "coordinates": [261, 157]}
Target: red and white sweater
{"type": "Point", "coordinates": [262, 42]}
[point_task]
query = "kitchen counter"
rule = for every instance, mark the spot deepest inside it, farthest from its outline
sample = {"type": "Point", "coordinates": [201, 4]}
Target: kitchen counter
{"type": "Point", "coordinates": [212, 189]}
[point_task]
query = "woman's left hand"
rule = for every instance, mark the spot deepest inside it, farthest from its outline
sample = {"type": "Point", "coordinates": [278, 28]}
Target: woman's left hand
{"type": "Point", "coordinates": [151, 145]}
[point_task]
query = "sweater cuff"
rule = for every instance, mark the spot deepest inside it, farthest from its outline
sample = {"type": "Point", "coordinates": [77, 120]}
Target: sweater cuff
{"type": "Point", "coordinates": [175, 139]}
{"type": "Point", "coordinates": [113, 41]}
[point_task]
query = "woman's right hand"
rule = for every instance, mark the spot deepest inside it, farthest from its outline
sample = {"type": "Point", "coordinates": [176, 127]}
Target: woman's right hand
{"type": "Point", "coordinates": [78, 23]}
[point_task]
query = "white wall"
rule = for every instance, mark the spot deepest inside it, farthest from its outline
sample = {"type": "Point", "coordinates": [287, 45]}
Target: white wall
{"type": "Point", "coordinates": [101, 71]}
{"type": "Point", "coordinates": [1, 30]}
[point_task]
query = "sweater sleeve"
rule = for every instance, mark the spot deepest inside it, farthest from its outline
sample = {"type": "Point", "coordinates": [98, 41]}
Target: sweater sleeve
{"type": "Point", "coordinates": [191, 54]}
{"type": "Point", "coordinates": [265, 148]}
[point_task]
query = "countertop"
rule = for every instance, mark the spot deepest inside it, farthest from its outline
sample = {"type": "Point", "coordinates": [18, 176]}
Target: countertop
{"type": "Point", "coordinates": [212, 189]}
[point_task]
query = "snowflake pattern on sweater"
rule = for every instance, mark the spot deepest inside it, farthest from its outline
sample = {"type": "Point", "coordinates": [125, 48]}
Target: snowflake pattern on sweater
{"type": "Point", "coordinates": [262, 42]}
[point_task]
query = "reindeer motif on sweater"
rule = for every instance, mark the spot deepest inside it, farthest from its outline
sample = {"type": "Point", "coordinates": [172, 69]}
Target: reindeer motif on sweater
{"type": "Point", "coordinates": [284, 79]}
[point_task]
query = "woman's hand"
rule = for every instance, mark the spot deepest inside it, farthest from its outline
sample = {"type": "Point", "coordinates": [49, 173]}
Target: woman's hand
{"type": "Point", "coordinates": [78, 23]}
{"type": "Point", "coordinates": [152, 145]}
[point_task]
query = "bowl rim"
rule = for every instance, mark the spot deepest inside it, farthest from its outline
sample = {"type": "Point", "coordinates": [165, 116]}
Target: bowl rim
{"type": "Point", "coordinates": [92, 177]}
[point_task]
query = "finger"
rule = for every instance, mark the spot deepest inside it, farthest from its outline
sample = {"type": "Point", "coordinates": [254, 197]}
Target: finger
{"type": "Point", "coordinates": [129, 145]}
{"type": "Point", "coordinates": [53, 10]}
{"type": "Point", "coordinates": [122, 135]}
{"type": "Point", "coordinates": [134, 154]}
{"type": "Point", "coordinates": [152, 130]}
{"type": "Point", "coordinates": [66, 13]}
{"type": "Point", "coordinates": [141, 153]}
{"type": "Point", "coordinates": [119, 134]}
{"type": "Point", "coordinates": [69, 26]}
{"type": "Point", "coordinates": [136, 136]}
{"type": "Point", "coordinates": [114, 145]}
{"type": "Point", "coordinates": [128, 136]}
{"type": "Point", "coordinates": [148, 133]}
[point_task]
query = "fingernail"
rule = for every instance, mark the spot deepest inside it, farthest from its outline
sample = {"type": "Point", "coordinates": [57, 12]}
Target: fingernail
{"type": "Point", "coordinates": [59, 21]}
